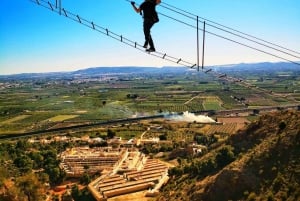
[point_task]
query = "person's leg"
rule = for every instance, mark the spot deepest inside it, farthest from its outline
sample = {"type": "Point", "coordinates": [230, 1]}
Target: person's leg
{"type": "Point", "coordinates": [148, 38]}
{"type": "Point", "coordinates": [146, 33]}
{"type": "Point", "coordinates": [151, 42]}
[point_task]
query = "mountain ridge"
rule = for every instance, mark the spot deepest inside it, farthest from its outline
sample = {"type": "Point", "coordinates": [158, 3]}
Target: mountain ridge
{"type": "Point", "coordinates": [142, 69]}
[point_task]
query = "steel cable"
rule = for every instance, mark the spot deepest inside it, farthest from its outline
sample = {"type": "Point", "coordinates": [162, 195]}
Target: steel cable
{"type": "Point", "coordinates": [174, 8]}
{"type": "Point", "coordinates": [137, 46]}
{"type": "Point", "coordinates": [184, 13]}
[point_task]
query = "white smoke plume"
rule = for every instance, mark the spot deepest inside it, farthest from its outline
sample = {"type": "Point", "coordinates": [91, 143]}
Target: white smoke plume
{"type": "Point", "coordinates": [191, 117]}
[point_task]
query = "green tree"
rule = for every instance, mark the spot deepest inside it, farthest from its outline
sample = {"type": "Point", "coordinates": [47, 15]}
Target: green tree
{"type": "Point", "coordinates": [56, 175]}
{"type": "Point", "coordinates": [37, 159]}
{"type": "Point", "coordinates": [75, 192]}
{"type": "Point", "coordinates": [31, 187]}
{"type": "Point", "coordinates": [162, 137]}
{"type": "Point", "coordinates": [67, 197]}
{"type": "Point", "coordinates": [282, 125]}
{"type": "Point", "coordinates": [110, 134]}
{"type": "Point", "coordinates": [175, 171]}
{"type": "Point", "coordinates": [225, 156]}
{"type": "Point", "coordinates": [24, 163]}
{"type": "Point", "coordinates": [22, 145]}
{"type": "Point", "coordinates": [255, 112]}
{"type": "Point", "coordinates": [206, 167]}
{"type": "Point", "coordinates": [85, 179]}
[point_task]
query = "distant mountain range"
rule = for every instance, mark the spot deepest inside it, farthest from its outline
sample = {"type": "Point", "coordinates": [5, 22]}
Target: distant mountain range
{"type": "Point", "coordinates": [264, 66]}
{"type": "Point", "coordinates": [96, 71]}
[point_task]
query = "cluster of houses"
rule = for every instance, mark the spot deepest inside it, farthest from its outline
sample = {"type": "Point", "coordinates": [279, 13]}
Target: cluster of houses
{"type": "Point", "coordinates": [63, 138]}
{"type": "Point", "coordinates": [122, 170]}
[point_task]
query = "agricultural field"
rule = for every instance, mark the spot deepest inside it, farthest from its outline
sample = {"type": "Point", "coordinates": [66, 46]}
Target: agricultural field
{"type": "Point", "coordinates": [15, 119]}
{"type": "Point", "coordinates": [41, 107]}
{"type": "Point", "coordinates": [212, 103]}
{"type": "Point", "coordinates": [41, 103]}
{"type": "Point", "coordinates": [61, 118]}
{"type": "Point", "coordinates": [229, 128]}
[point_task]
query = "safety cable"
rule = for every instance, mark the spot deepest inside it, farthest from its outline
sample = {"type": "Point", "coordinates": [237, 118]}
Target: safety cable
{"type": "Point", "coordinates": [259, 43]}
{"type": "Point", "coordinates": [231, 40]}
{"type": "Point", "coordinates": [184, 12]}
{"type": "Point", "coordinates": [240, 36]}
{"type": "Point", "coordinates": [230, 32]}
{"type": "Point", "coordinates": [226, 38]}
{"type": "Point", "coordinates": [120, 38]}
{"type": "Point", "coordinates": [111, 34]}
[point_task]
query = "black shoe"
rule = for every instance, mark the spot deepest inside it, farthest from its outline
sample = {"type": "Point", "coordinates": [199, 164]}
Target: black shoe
{"type": "Point", "coordinates": [150, 50]}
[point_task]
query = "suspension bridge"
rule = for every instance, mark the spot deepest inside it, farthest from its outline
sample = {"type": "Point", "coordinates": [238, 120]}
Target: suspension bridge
{"type": "Point", "coordinates": [257, 43]}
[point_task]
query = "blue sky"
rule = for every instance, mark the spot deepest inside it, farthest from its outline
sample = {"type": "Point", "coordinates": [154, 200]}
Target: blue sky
{"type": "Point", "coordinates": [34, 39]}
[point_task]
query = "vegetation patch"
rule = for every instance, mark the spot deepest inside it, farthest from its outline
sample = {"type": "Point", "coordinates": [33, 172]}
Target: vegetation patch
{"type": "Point", "coordinates": [60, 118]}
{"type": "Point", "coordinates": [258, 163]}
{"type": "Point", "coordinates": [212, 103]}
{"type": "Point", "coordinates": [15, 119]}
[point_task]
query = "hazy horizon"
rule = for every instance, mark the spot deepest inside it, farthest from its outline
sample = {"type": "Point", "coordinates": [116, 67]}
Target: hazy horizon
{"type": "Point", "coordinates": [183, 67]}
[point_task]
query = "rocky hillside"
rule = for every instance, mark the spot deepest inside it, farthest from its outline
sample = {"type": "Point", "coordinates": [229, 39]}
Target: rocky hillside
{"type": "Point", "coordinates": [261, 162]}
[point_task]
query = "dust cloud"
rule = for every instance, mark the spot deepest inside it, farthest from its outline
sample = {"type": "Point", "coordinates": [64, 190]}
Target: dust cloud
{"type": "Point", "coordinates": [191, 117]}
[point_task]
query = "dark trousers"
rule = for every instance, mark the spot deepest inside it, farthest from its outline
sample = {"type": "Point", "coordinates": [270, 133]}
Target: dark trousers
{"type": "Point", "coordinates": [147, 28]}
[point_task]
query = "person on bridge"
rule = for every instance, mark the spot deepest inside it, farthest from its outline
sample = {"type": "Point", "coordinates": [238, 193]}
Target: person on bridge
{"type": "Point", "coordinates": [147, 9]}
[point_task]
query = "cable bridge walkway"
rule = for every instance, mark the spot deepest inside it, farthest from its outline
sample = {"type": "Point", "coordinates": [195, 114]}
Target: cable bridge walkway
{"type": "Point", "coordinates": [179, 61]}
